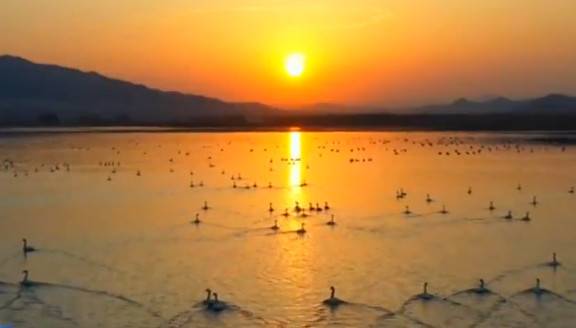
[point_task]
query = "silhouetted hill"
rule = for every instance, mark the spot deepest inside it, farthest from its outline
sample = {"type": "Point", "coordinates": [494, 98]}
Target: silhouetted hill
{"type": "Point", "coordinates": [49, 94]}
{"type": "Point", "coordinates": [553, 104]}
{"type": "Point", "coordinates": [37, 94]}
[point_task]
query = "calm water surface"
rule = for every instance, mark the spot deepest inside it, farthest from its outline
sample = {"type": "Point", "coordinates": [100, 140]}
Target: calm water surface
{"type": "Point", "coordinates": [110, 215]}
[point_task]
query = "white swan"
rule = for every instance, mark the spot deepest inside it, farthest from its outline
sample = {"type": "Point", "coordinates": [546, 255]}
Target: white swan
{"type": "Point", "coordinates": [425, 295]}
{"type": "Point", "coordinates": [216, 305]}
{"type": "Point", "coordinates": [208, 299]}
{"type": "Point", "coordinates": [301, 231]}
{"type": "Point", "coordinates": [444, 210]}
{"type": "Point", "coordinates": [537, 289]}
{"type": "Point", "coordinates": [407, 210]}
{"type": "Point", "coordinates": [25, 282]}
{"type": "Point", "coordinates": [481, 289]}
{"type": "Point", "coordinates": [297, 207]}
{"type": "Point", "coordinates": [554, 263]}
{"type": "Point", "coordinates": [26, 248]}
{"type": "Point", "coordinates": [275, 226]}
{"type": "Point", "coordinates": [333, 301]}
{"type": "Point", "coordinates": [331, 222]}
{"type": "Point", "coordinates": [526, 217]}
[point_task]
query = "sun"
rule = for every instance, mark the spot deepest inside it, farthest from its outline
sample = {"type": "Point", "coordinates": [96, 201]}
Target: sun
{"type": "Point", "coordinates": [295, 64]}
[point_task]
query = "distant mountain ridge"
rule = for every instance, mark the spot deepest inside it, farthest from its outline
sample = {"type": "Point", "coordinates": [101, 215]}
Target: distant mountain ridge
{"type": "Point", "coordinates": [553, 104]}
{"type": "Point", "coordinates": [40, 92]}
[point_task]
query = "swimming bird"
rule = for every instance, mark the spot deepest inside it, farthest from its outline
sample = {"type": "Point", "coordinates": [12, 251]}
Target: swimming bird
{"type": "Point", "coordinates": [444, 211]}
{"type": "Point", "coordinates": [208, 299]}
{"type": "Point", "coordinates": [407, 210]}
{"type": "Point", "coordinates": [571, 191]}
{"type": "Point", "coordinates": [554, 263]}
{"type": "Point", "coordinates": [205, 207]}
{"type": "Point", "coordinates": [326, 206]}
{"type": "Point", "coordinates": [491, 207]}
{"type": "Point", "coordinates": [403, 194]}
{"type": "Point", "coordinates": [25, 282]}
{"type": "Point", "coordinates": [537, 289]}
{"type": "Point", "coordinates": [425, 295]}
{"type": "Point", "coordinates": [197, 219]}
{"type": "Point", "coordinates": [331, 222]}
{"type": "Point", "coordinates": [509, 215]}
{"type": "Point", "coordinates": [301, 231]}
{"type": "Point", "coordinates": [270, 208]}
{"type": "Point", "coordinates": [275, 226]}
{"type": "Point", "coordinates": [481, 289]}
{"type": "Point", "coordinates": [26, 248]}
{"type": "Point", "coordinates": [534, 202]}
{"type": "Point", "coordinates": [526, 217]}
{"type": "Point", "coordinates": [428, 198]}
{"type": "Point", "coordinates": [333, 301]}
{"type": "Point", "coordinates": [469, 190]}
{"type": "Point", "coordinates": [217, 305]}
{"type": "Point", "coordinates": [286, 214]}
{"type": "Point", "coordinates": [297, 207]}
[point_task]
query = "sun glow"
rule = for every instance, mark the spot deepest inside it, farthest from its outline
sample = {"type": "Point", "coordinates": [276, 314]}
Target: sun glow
{"type": "Point", "coordinates": [295, 64]}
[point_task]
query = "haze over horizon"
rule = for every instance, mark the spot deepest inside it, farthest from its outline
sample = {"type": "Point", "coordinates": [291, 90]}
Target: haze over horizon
{"type": "Point", "coordinates": [392, 53]}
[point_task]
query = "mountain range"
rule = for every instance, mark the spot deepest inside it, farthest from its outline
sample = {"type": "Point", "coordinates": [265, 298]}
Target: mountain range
{"type": "Point", "coordinates": [48, 93]}
{"type": "Point", "coordinates": [40, 94]}
{"type": "Point", "coordinates": [550, 104]}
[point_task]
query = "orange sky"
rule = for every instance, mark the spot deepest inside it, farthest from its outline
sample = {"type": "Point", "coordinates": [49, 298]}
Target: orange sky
{"type": "Point", "coordinates": [387, 52]}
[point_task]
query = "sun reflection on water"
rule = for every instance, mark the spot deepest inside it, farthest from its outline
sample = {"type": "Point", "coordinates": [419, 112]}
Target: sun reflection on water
{"type": "Point", "coordinates": [295, 175]}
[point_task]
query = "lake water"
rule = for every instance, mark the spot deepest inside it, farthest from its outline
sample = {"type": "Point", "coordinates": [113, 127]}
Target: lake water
{"type": "Point", "coordinates": [111, 218]}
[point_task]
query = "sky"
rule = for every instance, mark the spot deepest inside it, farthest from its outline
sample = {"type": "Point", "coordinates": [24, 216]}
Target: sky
{"type": "Point", "coordinates": [358, 52]}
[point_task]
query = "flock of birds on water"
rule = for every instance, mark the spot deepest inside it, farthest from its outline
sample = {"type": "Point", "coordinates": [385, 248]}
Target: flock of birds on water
{"type": "Point", "coordinates": [212, 301]}
{"type": "Point", "coordinates": [214, 304]}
